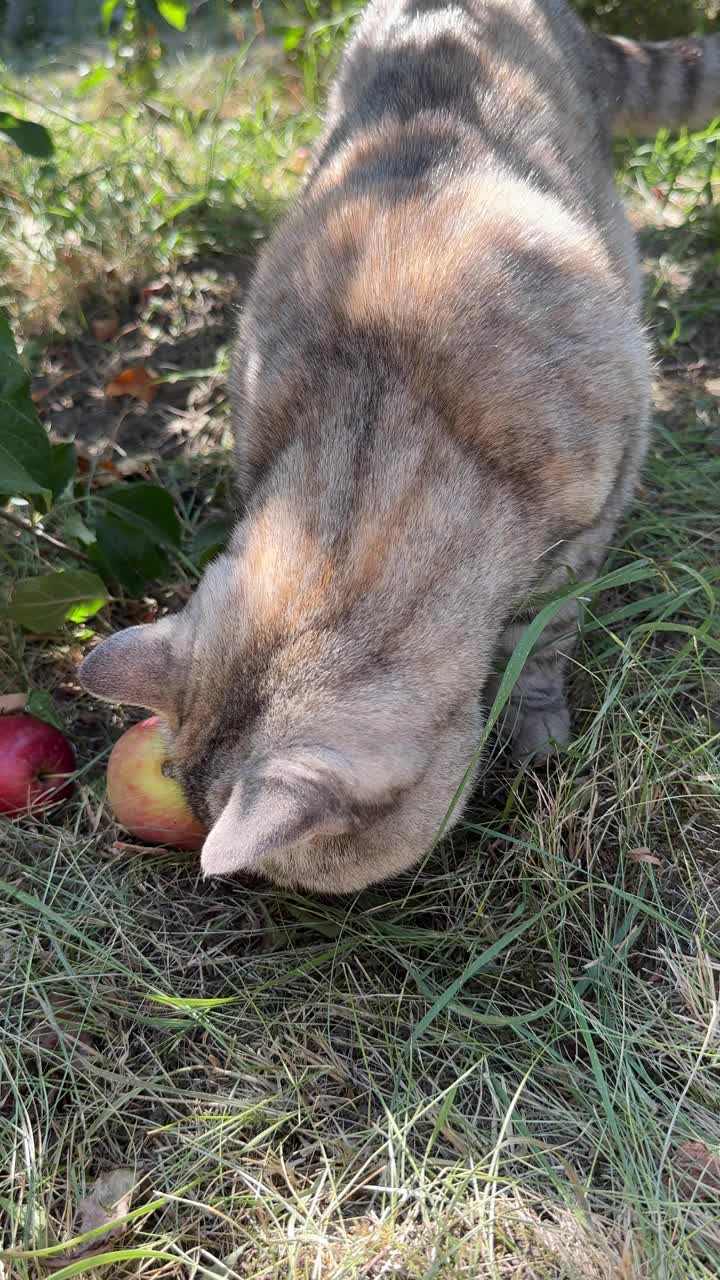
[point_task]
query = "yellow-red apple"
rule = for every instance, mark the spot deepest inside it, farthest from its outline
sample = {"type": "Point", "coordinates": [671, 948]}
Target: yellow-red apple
{"type": "Point", "coordinates": [143, 795]}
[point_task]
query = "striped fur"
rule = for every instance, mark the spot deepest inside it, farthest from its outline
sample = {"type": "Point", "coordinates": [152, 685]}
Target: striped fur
{"type": "Point", "coordinates": [668, 84]}
{"type": "Point", "coordinates": [441, 397]}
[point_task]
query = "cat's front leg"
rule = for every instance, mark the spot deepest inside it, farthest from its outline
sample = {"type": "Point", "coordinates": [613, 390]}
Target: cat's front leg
{"type": "Point", "coordinates": [536, 719]}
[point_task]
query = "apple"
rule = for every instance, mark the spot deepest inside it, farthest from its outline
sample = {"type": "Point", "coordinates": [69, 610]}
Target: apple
{"type": "Point", "coordinates": [144, 797]}
{"type": "Point", "coordinates": [35, 759]}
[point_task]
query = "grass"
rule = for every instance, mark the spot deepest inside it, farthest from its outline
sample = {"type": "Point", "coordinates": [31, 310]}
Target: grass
{"type": "Point", "coordinates": [491, 1068]}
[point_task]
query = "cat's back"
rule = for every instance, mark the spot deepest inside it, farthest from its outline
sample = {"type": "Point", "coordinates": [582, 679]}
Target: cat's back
{"type": "Point", "coordinates": [460, 221]}
{"type": "Point", "coordinates": [508, 84]}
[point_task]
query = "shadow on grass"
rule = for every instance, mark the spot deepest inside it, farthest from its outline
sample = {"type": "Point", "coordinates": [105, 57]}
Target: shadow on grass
{"type": "Point", "coordinates": [179, 324]}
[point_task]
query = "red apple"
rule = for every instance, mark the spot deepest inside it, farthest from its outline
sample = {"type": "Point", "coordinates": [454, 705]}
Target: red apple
{"type": "Point", "coordinates": [145, 799]}
{"type": "Point", "coordinates": [35, 760]}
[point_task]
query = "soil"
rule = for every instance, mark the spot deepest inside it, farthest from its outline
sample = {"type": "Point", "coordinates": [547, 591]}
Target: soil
{"type": "Point", "coordinates": [176, 324]}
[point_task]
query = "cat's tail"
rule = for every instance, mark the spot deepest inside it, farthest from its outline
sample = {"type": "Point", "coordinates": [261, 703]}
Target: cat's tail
{"type": "Point", "coordinates": [669, 84]}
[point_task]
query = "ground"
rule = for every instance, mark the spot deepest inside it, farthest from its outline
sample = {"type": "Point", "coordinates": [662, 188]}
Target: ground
{"type": "Point", "coordinates": [504, 1065]}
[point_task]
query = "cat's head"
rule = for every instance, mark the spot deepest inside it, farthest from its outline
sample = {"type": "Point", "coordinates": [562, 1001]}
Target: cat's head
{"type": "Point", "coordinates": [321, 744]}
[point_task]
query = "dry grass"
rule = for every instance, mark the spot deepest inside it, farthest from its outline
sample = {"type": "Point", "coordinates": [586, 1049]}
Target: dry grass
{"type": "Point", "coordinates": [490, 1069]}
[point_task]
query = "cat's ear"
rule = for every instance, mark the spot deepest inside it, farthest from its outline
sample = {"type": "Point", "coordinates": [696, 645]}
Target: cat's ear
{"type": "Point", "coordinates": [300, 796]}
{"type": "Point", "coordinates": [138, 666]}
{"type": "Point", "coordinates": [245, 834]}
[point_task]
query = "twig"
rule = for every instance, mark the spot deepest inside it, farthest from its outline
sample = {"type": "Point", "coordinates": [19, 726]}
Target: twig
{"type": "Point", "coordinates": [26, 527]}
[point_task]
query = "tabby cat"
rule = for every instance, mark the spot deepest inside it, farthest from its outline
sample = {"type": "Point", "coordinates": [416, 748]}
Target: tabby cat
{"type": "Point", "coordinates": [441, 395]}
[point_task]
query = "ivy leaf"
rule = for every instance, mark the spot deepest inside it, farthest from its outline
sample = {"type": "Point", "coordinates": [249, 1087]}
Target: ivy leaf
{"type": "Point", "coordinates": [26, 466]}
{"type": "Point", "coordinates": [45, 602]}
{"type": "Point", "coordinates": [174, 12]}
{"type": "Point", "coordinates": [33, 139]}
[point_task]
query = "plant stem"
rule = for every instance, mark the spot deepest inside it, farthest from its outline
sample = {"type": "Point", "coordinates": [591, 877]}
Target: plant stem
{"type": "Point", "coordinates": [27, 527]}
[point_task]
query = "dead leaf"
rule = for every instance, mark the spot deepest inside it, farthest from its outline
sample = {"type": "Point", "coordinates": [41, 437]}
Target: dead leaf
{"type": "Point", "coordinates": [125, 848]}
{"type": "Point", "coordinates": [105, 327]}
{"type": "Point", "coordinates": [643, 854]}
{"type": "Point", "coordinates": [109, 1198]}
{"type": "Point", "coordinates": [61, 1028]}
{"type": "Point", "coordinates": [38, 394]}
{"type": "Point", "coordinates": [11, 702]}
{"type": "Point", "coordinates": [72, 1040]}
{"type": "Point", "coordinates": [157, 286]}
{"type": "Point", "coordinates": [136, 381]}
{"type": "Point", "coordinates": [134, 466]}
{"type": "Point", "coordinates": [298, 161]}
{"type": "Point", "coordinates": [698, 1170]}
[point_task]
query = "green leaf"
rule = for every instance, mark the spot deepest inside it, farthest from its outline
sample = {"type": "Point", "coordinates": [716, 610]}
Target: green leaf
{"type": "Point", "coordinates": [174, 12]}
{"type": "Point", "coordinates": [76, 530]}
{"type": "Point", "coordinates": [44, 603]}
{"type": "Point", "coordinates": [26, 465]}
{"type": "Point", "coordinates": [293, 38]}
{"type": "Point", "coordinates": [209, 539]}
{"type": "Point", "coordinates": [13, 374]}
{"type": "Point", "coordinates": [145, 507]}
{"type": "Point", "coordinates": [41, 705]}
{"type": "Point", "coordinates": [182, 205]}
{"type": "Point", "coordinates": [136, 526]}
{"type": "Point", "coordinates": [107, 10]}
{"type": "Point", "coordinates": [62, 467]}
{"type": "Point", "coordinates": [95, 76]}
{"type": "Point", "coordinates": [31, 138]}
{"type": "Point", "coordinates": [126, 554]}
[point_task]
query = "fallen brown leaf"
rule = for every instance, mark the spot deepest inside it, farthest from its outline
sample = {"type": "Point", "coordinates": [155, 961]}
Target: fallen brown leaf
{"type": "Point", "coordinates": [105, 327]}
{"type": "Point", "coordinates": [298, 161]}
{"type": "Point", "coordinates": [72, 1040]}
{"type": "Point", "coordinates": [109, 1198]}
{"type": "Point", "coordinates": [107, 470]}
{"type": "Point", "coordinates": [136, 381]}
{"type": "Point", "coordinates": [698, 1170]}
{"type": "Point", "coordinates": [644, 855]}
{"type": "Point", "coordinates": [133, 466]}
{"type": "Point", "coordinates": [38, 394]}
{"type": "Point", "coordinates": [157, 286]}
{"type": "Point", "coordinates": [11, 702]}
{"type": "Point", "coordinates": [61, 1028]}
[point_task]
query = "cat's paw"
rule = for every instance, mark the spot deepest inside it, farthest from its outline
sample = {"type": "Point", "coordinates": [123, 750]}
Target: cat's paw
{"type": "Point", "coordinates": [539, 731]}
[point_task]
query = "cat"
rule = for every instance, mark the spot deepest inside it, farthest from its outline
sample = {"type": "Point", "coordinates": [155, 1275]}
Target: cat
{"type": "Point", "coordinates": [441, 403]}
